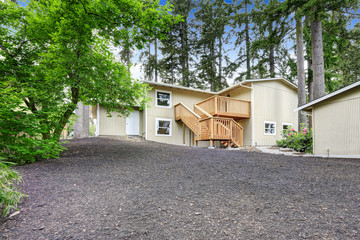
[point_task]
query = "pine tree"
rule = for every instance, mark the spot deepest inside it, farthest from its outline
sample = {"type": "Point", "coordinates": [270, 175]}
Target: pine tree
{"type": "Point", "coordinates": [271, 30]}
{"type": "Point", "coordinates": [212, 18]}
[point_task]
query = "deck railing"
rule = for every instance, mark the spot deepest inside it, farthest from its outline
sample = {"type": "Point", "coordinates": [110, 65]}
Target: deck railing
{"type": "Point", "coordinates": [217, 128]}
{"type": "Point", "coordinates": [226, 107]}
{"type": "Point", "coordinates": [190, 118]}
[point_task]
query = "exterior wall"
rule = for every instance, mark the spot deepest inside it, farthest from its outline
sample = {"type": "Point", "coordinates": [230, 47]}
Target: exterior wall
{"type": "Point", "coordinates": [189, 98]}
{"type": "Point", "coordinates": [274, 102]}
{"type": "Point", "coordinates": [111, 125]}
{"type": "Point", "coordinates": [116, 126]}
{"type": "Point", "coordinates": [243, 94]}
{"type": "Point", "coordinates": [336, 124]}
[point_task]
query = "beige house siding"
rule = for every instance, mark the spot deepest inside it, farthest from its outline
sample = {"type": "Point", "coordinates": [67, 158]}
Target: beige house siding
{"type": "Point", "coordinates": [243, 94]}
{"type": "Point", "coordinates": [336, 124]}
{"type": "Point", "coordinates": [116, 125]}
{"type": "Point", "coordinates": [111, 125]}
{"type": "Point", "coordinates": [274, 102]}
{"type": "Point", "coordinates": [189, 98]}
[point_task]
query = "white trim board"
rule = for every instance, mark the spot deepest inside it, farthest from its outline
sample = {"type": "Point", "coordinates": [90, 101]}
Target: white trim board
{"type": "Point", "coordinates": [156, 127]}
{"type": "Point", "coordinates": [156, 99]}
{"type": "Point", "coordinates": [310, 104]}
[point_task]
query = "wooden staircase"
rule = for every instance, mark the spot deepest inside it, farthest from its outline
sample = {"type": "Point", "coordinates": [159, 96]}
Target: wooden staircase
{"type": "Point", "coordinates": [208, 127]}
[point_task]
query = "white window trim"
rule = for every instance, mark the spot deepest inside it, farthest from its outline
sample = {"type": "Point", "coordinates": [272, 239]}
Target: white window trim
{"type": "Point", "coordinates": [289, 124]}
{"type": "Point", "coordinates": [271, 134]}
{"type": "Point", "coordinates": [156, 127]}
{"type": "Point", "coordinates": [156, 102]}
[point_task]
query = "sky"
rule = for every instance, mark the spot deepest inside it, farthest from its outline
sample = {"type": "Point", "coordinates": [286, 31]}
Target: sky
{"type": "Point", "coordinates": [231, 53]}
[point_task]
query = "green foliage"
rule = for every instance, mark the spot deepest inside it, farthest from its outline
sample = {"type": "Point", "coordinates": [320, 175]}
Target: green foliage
{"type": "Point", "coordinates": [10, 195]}
{"type": "Point", "coordinates": [21, 131]}
{"type": "Point", "coordinates": [213, 17]}
{"type": "Point", "coordinates": [299, 141]}
{"type": "Point", "coordinates": [54, 54]}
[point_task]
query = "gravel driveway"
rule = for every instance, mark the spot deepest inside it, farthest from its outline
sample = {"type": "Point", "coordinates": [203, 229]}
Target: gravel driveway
{"type": "Point", "coordinates": [112, 189]}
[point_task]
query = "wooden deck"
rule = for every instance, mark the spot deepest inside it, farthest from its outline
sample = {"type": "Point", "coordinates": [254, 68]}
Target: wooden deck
{"type": "Point", "coordinates": [219, 106]}
{"type": "Point", "coordinates": [208, 127]}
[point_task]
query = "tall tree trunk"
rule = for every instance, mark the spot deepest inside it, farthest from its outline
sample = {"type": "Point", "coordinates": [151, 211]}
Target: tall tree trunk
{"type": "Point", "coordinates": [182, 57]}
{"type": "Point", "coordinates": [247, 42]}
{"type": "Point", "coordinates": [317, 59]}
{"type": "Point", "coordinates": [220, 61]}
{"type": "Point", "coordinates": [156, 62]}
{"type": "Point", "coordinates": [310, 81]}
{"type": "Point", "coordinates": [300, 71]}
{"type": "Point", "coordinates": [213, 70]}
{"type": "Point", "coordinates": [150, 72]}
{"type": "Point", "coordinates": [272, 61]}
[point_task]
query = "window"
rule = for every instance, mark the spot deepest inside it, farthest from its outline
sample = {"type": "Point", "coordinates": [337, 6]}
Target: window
{"type": "Point", "coordinates": [163, 98]}
{"type": "Point", "coordinates": [163, 127]}
{"type": "Point", "coordinates": [285, 126]}
{"type": "Point", "coordinates": [270, 128]}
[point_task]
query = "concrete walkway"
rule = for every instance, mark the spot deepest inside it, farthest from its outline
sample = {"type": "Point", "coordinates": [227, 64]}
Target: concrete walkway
{"type": "Point", "coordinates": [291, 152]}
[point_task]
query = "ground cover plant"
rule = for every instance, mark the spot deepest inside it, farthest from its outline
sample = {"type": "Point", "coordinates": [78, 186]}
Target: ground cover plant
{"type": "Point", "coordinates": [10, 195]}
{"type": "Point", "coordinates": [300, 141]}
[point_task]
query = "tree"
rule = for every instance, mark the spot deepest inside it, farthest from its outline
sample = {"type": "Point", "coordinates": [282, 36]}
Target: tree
{"type": "Point", "coordinates": [316, 11]}
{"type": "Point", "coordinates": [56, 53]}
{"type": "Point", "coordinates": [212, 18]}
{"type": "Point", "coordinates": [241, 29]}
{"type": "Point", "coordinates": [176, 49]}
{"type": "Point", "coordinates": [300, 70]}
{"type": "Point", "coordinates": [271, 29]}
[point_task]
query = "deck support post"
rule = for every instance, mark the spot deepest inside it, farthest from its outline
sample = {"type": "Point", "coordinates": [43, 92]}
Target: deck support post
{"type": "Point", "coordinates": [184, 133]}
{"type": "Point", "coordinates": [193, 138]}
{"type": "Point", "coordinates": [229, 145]}
{"type": "Point", "coordinates": [189, 137]}
{"type": "Point", "coordinates": [211, 143]}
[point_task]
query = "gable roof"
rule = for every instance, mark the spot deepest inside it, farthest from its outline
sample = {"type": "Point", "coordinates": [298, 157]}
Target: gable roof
{"type": "Point", "coordinates": [330, 95]}
{"type": "Point", "coordinates": [284, 80]}
{"type": "Point", "coordinates": [178, 87]}
{"type": "Point", "coordinates": [239, 85]}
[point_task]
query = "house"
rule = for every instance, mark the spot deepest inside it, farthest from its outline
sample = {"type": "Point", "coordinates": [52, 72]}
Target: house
{"type": "Point", "coordinates": [336, 121]}
{"type": "Point", "coordinates": [253, 112]}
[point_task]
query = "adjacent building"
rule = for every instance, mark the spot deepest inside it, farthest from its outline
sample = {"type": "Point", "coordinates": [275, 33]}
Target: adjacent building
{"type": "Point", "coordinates": [336, 122]}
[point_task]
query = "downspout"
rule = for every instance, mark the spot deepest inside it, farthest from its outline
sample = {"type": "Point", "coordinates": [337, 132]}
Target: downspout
{"type": "Point", "coordinates": [252, 116]}
{"type": "Point", "coordinates": [252, 104]}
{"type": "Point", "coordinates": [246, 86]}
{"type": "Point", "coordinates": [145, 123]}
{"type": "Point", "coordinates": [97, 120]}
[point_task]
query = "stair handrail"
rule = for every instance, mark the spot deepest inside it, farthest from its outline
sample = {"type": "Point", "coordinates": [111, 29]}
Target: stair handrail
{"type": "Point", "coordinates": [203, 111]}
{"type": "Point", "coordinates": [236, 123]}
{"type": "Point", "coordinates": [187, 108]}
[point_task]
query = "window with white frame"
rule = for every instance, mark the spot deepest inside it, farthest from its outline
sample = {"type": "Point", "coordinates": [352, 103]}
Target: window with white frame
{"type": "Point", "coordinates": [285, 126]}
{"type": "Point", "coordinates": [163, 127]}
{"type": "Point", "coordinates": [163, 98]}
{"type": "Point", "coordinates": [270, 128]}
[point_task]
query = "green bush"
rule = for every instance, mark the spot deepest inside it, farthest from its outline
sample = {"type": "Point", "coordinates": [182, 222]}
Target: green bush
{"type": "Point", "coordinates": [299, 141]}
{"type": "Point", "coordinates": [10, 195]}
{"type": "Point", "coordinates": [22, 132]}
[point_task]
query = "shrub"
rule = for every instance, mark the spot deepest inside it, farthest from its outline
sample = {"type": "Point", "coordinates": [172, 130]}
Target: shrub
{"type": "Point", "coordinates": [299, 141]}
{"type": "Point", "coordinates": [10, 195]}
{"type": "Point", "coordinates": [22, 132]}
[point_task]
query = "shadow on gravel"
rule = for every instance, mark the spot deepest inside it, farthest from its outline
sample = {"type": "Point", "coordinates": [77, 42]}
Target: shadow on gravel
{"type": "Point", "coordinates": [114, 189]}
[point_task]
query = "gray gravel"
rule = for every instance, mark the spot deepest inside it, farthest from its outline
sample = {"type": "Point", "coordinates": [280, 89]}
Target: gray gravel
{"type": "Point", "coordinates": [112, 189]}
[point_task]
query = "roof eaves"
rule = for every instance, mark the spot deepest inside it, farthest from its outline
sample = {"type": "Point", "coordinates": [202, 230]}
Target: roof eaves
{"type": "Point", "coordinates": [178, 87]}
{"type": "Point", "coordinates": [272, 79]}
{"type": "Point", "coordinates": [330, 95]}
